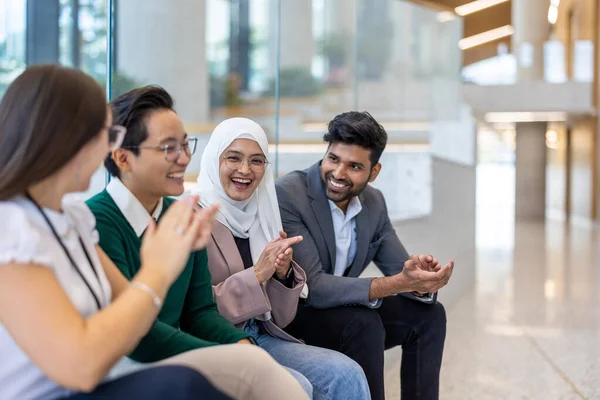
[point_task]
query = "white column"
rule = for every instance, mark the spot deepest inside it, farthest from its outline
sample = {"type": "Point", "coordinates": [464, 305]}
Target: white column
{"type": "Point", "coordinates": [530, 171]}
{"type": "Point", "coordinates": [161, 43]}
{"type": "Point", "coordinates": [532, 29]}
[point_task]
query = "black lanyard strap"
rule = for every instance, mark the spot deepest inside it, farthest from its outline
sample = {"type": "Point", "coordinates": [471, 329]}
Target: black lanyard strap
{"type": "Point", "coordinates": [69, 254]}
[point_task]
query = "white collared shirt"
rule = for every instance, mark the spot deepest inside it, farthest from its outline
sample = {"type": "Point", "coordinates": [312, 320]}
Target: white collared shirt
{"type": "Point", "coordinates": [130, 206]}
{"type": "Point", "coordinates": [344, 226]}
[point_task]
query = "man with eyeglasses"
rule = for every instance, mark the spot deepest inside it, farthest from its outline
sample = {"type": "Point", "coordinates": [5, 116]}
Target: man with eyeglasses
{"type": "Point", "coordinates": [148, 168]}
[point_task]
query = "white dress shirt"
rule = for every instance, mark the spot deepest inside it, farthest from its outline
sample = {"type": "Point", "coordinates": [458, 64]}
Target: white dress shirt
{"type": "Point", "coordinates": [344, 226]}
{"type": "Point", "coordinates": [130, 206]}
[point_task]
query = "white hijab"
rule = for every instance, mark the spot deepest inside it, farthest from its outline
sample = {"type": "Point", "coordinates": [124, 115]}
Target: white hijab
{"type": "Point", "coordinates": [258, 217]}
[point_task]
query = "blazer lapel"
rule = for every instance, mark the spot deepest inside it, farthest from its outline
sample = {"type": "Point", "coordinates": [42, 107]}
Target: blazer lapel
{"type": "Point", "coordinates": [226, 244]}
{"type": "Point", "coordinates": [323, 214]}
{"type": "Point", "coordinates": [362, 241]}
{"type": "Point", "coordinates": [320, 207]}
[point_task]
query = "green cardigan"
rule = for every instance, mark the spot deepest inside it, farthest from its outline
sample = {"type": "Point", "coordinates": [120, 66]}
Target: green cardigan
{"type": "Point", "coordinates": [189, 318]}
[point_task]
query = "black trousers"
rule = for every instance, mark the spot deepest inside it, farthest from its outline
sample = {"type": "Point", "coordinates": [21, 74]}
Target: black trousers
{"type": "Point", "coordinates": [363, 334]}
{"type": "Point", "coordinates": [157, 383]}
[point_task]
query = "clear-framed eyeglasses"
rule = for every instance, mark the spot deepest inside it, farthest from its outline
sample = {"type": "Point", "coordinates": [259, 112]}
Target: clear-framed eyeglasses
{"type": "Point", "coordinates": [116, 135]}
{"type": "Point", "coordinates": [173, 151]}
{"type": "Point", "coordinates": [235, 162]}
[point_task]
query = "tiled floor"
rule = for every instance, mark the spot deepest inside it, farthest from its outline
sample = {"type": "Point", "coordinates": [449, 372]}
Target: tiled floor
{"type": "Point", "coordinates": [530, 328]}
{"type": "Point", "coordinates": [531, 331]}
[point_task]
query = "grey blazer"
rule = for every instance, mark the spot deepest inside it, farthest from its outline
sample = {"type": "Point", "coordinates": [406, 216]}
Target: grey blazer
{"type": "Point", "coordinates": [238, 294]}
{"type": "Point", "coordinates": [305, 211]}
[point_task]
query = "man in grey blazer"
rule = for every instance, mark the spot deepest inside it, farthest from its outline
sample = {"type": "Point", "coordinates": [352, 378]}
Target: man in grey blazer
{"type": "Point", "coordinates": [345, 225]}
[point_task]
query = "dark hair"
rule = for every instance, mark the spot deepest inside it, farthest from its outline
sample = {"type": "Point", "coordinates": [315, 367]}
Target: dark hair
{"type": "Point", "coordinates": [47, 115]}
{"type": "Point", "coordinates": [131, 110]}
{"type": "Point", "coordinates": [359, 128]}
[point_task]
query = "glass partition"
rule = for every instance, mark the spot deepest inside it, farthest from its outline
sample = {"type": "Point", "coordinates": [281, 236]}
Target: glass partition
{"type": "Point", "coordinates": [12, 41]}
{"type": "Point", "coordinates": [290, 65]}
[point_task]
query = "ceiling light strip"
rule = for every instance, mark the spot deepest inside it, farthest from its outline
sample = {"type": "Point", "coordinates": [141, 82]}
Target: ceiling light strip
{"type": "Point", "coordinates": [477, 5]}
{"type": "Point", "coordinates": [486, 37]}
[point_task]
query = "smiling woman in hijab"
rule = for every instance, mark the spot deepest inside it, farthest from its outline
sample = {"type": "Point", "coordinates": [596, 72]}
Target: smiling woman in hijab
{"type": "Point", "coordinates": [256, 283]}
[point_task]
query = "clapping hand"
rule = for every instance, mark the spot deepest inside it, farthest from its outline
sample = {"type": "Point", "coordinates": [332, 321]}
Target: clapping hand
{"type": "Point", "coordinates": [269, 261]}
{"type": "Point", "coordinates": [166, 247]}
{"type": "Point", "coordinates": [284, 259]}
{"type": "Point", "coordinates": [427, 263]}
{"type": "Point", "coordinates": [426, 277]}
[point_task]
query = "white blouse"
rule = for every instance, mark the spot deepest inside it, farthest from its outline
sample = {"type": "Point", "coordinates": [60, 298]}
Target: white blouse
{"type": "Point", "coordinates": [25, 238]}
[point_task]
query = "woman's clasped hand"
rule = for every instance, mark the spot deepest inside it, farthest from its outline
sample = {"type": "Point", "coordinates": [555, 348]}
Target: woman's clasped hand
{"type": "Point", "coordinates": [276, 258]}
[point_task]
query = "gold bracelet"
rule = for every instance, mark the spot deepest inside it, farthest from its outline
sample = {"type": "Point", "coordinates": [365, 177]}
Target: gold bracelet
{"type": "Point", "coordinates": [147, 289]}
{"type": "Point", "coordinates": [257, 276]}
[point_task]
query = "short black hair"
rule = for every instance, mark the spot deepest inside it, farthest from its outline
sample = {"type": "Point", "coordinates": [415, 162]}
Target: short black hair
{"type": "Point", "coordinates": [131, 110]}
{"type": "Point", "coordinates": [359, 128]}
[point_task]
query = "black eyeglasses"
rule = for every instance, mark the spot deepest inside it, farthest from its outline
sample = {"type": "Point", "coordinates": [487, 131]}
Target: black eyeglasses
{"type": "Point", "coordinates": [173, 151]}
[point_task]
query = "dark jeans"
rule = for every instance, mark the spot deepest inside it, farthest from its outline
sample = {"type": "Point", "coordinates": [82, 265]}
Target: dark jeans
{"type": "Point", "coordinates": [363, 334]}
{"type": "Point", "coordinates": [157, 383]}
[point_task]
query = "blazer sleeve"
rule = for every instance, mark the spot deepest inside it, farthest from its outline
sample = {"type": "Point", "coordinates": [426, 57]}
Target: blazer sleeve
{"type": "Point", "coordinates": [325, 290]}
{"type": "Point", "coordinates": [284, 299]}
{"type": "Point", "coordinates": [240, 297]}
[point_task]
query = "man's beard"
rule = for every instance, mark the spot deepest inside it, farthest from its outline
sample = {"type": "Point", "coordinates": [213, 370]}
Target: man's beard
{"type": "Point", "coordinates": [352, 190]}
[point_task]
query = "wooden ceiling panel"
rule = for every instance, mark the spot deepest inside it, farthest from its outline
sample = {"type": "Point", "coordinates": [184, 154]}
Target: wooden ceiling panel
{"type": "Point", "coordinates": [487, 19]}
{"type": "Point", "coordinates": [452, 3]}
{"type": "Point", "coordinates": [484, 51]}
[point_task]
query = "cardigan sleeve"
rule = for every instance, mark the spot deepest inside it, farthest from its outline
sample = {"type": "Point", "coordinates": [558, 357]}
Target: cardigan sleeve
{"type": "Point", "coordinates": [162, 340]}
{"type": "Point", "coordinates": [200, 314]}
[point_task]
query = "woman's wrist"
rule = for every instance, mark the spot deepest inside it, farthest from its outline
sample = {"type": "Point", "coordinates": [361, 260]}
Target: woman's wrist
{"type": "Point", "coordinates": [285, 272]}
{"type": "Point", "coordinates": [258, 277]}
{"type": "Point", "coordinates": [156, 300]}
{"type": "Point", "coordinates": [155, 280]}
